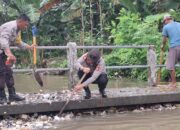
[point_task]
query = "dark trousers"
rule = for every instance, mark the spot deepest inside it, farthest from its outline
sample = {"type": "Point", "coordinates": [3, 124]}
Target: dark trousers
{"type": "Point", "coordinates": [102, 80]}
{"type": "Point", "coordinates": [6, 73]}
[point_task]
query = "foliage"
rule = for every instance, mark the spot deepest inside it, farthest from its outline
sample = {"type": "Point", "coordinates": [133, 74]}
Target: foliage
{"type": "Point", "coordinates": [131, 30]}
{"type": "Point", "coordinates": [95, 22]}
{"type": "Point", "coordinates": [175, 14]}
{"type": "Point", "coordinates": [57, 62]}
{"type": "Point", "coordinates": [138, 6]}
{"type": "Point", "coordinates": [22, 7]}
{"type": "Point", "coordinates": [148, 32]}
{"type": "Point", "coordinates": [123, 32]}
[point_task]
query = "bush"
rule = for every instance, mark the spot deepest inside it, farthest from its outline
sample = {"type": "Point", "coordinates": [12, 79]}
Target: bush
{"type": "Point", "coordinates": [131, 30]}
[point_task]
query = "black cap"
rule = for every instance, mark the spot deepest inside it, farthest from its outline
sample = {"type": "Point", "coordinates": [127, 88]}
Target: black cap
{"type": "Point", "coordinates": [94, 55]}
{"type": "Point", "coordinates": [24, 17]}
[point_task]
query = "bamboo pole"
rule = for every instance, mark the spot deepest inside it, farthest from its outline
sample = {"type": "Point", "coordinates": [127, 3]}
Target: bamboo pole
{"type": "Point", "coordinates": [34, 51]}
{"type": "Point", "coordinates": [82, 23]}
{"type": "Point", "coordinates": [159, 71]}
{"type": "Point", "coordinates": [101, 18]}
{"type": "Point", "coordinates": [91, 19]}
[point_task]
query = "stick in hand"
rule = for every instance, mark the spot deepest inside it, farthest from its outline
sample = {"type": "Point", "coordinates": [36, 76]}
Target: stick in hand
{"type": "Point", "coordinates": [72, 93]}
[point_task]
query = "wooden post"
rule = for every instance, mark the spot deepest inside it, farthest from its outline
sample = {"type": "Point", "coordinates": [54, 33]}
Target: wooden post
{"type": "Point", "coordinates": [72, 57]}
{"type": "Point", "coordinates": [151, 59]}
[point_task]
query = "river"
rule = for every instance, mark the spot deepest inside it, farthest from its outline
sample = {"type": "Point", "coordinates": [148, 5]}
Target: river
{"type": "Point", "coordinates": [154, 120]}
{"type": "Point", "coordinates": [149, 120]}
{"type": "Point", "coordinates": [27, 83]}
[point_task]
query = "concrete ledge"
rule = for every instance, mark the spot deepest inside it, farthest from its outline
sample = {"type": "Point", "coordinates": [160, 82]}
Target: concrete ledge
{"type": "Point", "coordinates": [95, 102]}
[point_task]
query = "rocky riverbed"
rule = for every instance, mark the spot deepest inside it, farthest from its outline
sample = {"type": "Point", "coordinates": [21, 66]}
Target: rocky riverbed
{"type": "Point", "coordinates": [47, 121]}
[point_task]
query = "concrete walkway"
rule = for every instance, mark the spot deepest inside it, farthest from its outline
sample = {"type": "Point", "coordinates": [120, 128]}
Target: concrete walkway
{"type": "Point", "coordinates": [48, 102]}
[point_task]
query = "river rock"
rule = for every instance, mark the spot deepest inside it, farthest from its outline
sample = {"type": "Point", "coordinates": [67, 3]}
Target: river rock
{"type": "Point", "coordinates": [24, 117]}
{"type": "Point", "coordinates": [24, 128]}
{"type": "Point", "coordinates": [112, 110]}
{"type": "Point", "coordinates": [56, 118]}
{"type": "Point", "coordinates": [19, 122]}
{"type": "Point", "coordinates": [43, 118]}
{"type": "Point", "coordinates": [102, 113]}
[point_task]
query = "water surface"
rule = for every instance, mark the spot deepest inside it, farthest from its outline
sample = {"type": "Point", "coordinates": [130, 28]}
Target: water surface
{"type": "Point", "coordinates": [165, 120]}
{"type": "Point", "coordinates": [27, 83]}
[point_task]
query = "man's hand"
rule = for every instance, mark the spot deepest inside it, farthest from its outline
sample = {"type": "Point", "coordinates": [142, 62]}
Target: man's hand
{"type": "Point", "coordinates": [31, 47]}
{"type": "Point", "coordinates": [162, 47]}
{"type": "Point", "coordinates": [164, 41]}
{"type": "Point", "coordinates": [78, 87]}
{"type": "Point", "coordinates": [12, 59]}
{"type": "Point", "coordinates": [10, 56]}
{"type": "Point", "coordinates": [86, 70]}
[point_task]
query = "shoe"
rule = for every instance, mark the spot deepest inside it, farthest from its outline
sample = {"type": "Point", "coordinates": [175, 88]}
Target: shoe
{"type": "Point", "coordinates": [3, 98]}
{"type": "Point", "coordinates": [103, 94]}
{"type": "Point", "coordinates": [87, 93]}
{"type": "Point", "coordinates": [87, 97]}
{"type": "Point", "coordinates": [13, 96]}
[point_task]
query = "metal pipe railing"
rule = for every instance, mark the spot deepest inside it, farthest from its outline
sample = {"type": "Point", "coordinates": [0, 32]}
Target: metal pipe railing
{"type": "Point", "coordinates": [88, 47]}
{"type": "Point", "coordinates": [72, 56]}
{"type": "Point", "coordinates": [40, 70]}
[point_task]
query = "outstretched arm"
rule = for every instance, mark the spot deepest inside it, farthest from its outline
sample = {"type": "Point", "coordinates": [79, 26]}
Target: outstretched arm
{"type": "Point", "coordinates": [22, 44]}
{"type": "Point", "coordinates": [164, 41]}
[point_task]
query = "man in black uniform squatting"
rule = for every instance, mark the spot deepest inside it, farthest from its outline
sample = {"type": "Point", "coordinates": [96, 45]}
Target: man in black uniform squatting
{"type": "Point", "coordinates": [93, 65]}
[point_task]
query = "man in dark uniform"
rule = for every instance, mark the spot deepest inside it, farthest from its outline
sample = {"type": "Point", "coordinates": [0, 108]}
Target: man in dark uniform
{"type": "Point", "coordinates": [10, 35]}
{"type": "Point", "coordinates": [93, 65]}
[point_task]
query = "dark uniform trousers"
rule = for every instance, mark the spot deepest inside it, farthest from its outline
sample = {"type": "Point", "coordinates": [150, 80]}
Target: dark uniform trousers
{"type": "Point", "coordinates": [6, 78]}
{"type": "Point", "coordinates": [102, 80]}
{"type": "Point", "coordinates": [6, 73]}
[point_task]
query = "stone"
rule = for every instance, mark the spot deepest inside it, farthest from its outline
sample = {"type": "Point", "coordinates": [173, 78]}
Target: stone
{"type": "Point", "coordinates": [24, 117]}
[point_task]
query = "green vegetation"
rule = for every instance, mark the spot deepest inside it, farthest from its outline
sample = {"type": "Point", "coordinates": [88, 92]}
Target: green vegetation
{"type": "Point", "coordinates": [95, 22]}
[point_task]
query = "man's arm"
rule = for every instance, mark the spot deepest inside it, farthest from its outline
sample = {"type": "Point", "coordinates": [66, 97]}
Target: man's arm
{"type": "Point", "coordinates": [96, 73]}
{"type": "Point", "coordinates": [79, 66]}
{"type": "Point", "coordinates": [164, 37]}
{"type": "Point", "coordinates": [22, 44]}
{"type": "Point", "coordinates": [164, 41]}
{"type": "Point", "coordinates": [99, 69]}
{"type": "Point", "coordinates": [79, 61]}
{"type": "Point", "coordinates": [5, 46]}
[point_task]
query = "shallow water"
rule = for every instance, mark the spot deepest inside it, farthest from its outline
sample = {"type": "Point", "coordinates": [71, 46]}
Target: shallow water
{"type": "Point", "coordinates": [27, 83]}
{"type": "Point", "coordinates": [164, 120]}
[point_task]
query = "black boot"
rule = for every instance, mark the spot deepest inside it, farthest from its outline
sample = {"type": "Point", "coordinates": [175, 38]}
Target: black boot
{"type": "Point", "coordinates": [13, 96]}
{"type": "Point", "coordinates": [103, 93]}
{"type": "Point", "coordinates": [3, 98]}
{"type": "Point", "coordinates": [87, 93]}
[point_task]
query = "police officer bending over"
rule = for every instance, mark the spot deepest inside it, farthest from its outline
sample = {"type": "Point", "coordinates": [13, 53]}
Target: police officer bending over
{"type": "Point", "coordinates": [9, 36]}
{"type": "Point", "coordinates": [93, 65]}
